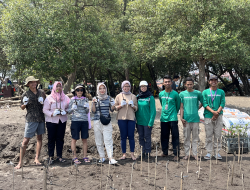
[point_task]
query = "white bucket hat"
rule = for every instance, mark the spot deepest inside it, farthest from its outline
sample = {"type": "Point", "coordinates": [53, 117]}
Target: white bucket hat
{"type": "Point", "coordinates": [143, 83]}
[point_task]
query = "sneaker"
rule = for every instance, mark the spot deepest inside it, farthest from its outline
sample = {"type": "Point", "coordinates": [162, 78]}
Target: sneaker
{"type": "Point", "coordinates": [208, 156]}
{"type": "Point", "coordinates": [112, 161]}
{"type": "Point", "coordinates": [102, 160]}
{"type": "Point", "coordinates": [218, 156]}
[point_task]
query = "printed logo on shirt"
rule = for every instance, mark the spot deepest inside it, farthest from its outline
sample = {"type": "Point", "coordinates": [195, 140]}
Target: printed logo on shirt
{"type": "Point", "coordinates": [190, 97]}
{"type": "Point", "coordinates": [213, 95]}
{"type": "Point", "coordinates": [143, 100]}
{"type": "Point", "coordinates": [167, 97]}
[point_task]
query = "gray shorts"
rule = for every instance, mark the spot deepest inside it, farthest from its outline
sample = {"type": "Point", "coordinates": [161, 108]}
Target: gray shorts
{"type": "Point", "coordinates": [32, 128]}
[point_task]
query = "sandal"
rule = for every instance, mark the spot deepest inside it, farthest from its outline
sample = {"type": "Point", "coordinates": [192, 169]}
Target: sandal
{"type": "Point", "coordinates": [185, 157]}
{"type": "Point", "coordinates": [123, 158]}
{"type": "Point", "coordinates": [61, 160]}
{"type": "Point", "coordinates": [76, 161]}
{"type": "Point", "coordinates": [175, 158]}
{"type": "Point", "coordinates": [86, 159]}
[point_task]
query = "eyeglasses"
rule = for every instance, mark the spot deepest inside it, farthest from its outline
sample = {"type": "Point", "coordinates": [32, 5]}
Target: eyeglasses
{"type": "Point", "coordinates": [127, 86]}
{"type": "Point", "coordinates": [79, 90]}
{"type": "Point", "coordinates": [143, 86]}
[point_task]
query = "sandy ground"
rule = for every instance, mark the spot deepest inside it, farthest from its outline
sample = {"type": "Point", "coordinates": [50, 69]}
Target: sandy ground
{"type": "Point", "coordinates": [63, 175]}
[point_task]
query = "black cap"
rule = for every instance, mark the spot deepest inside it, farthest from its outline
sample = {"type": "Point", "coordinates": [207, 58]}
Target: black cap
{"type": "Point", "coordinates": [213, 77]}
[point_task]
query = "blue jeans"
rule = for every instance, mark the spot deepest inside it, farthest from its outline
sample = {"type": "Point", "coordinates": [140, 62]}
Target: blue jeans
{"type": "Point", "coordinates": [166, 127]}
{"type": "Point", "coordinates": [145, 138]}
{"type": "Point", "coordinates": [127, 129]}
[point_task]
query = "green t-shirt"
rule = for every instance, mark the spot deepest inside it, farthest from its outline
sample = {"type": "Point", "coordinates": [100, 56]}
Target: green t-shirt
{"type": "Point", "coordinates": [146, 112]}
{"type": "Point", "coordinates": [190, 102]}
{"type": "Point", "coordinates": [219, 100]}
{"type": "Point", "coordinates": [172, 99]}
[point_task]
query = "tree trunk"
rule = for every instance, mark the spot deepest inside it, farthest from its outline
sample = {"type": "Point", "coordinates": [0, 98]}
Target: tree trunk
{"type": "Point", "coordinates": [111, 85]}
{"type": "Point", "coordinates": [127, 74]}
{"type": "Point", "coordinates": [153, 76]}
{"type": "Point", "coordinates": [202, 74]}
{"type": "Point", "coordinates": [70, 80]}
{"type": "Point", "coordinates": [236, 82]}
{"type": "Point", "coordinates": [245, 82]}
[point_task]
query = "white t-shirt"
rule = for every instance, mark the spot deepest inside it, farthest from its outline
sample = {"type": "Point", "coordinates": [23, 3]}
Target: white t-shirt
{"type": "Point", "coordinates": [50, 87]}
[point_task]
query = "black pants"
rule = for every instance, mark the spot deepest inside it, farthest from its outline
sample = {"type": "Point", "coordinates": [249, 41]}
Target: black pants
{"type": "Point", "coordinates": [165, 132]}
{"type": "Point", "coordinates": [56, 132]}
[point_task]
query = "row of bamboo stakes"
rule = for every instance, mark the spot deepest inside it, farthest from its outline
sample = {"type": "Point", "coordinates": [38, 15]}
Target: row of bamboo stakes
{"type": "Point", "coordinates": [230, 170]}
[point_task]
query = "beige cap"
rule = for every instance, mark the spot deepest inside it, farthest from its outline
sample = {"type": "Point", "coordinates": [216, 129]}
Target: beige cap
{"type": "Point", "coordinates": [29, 79]}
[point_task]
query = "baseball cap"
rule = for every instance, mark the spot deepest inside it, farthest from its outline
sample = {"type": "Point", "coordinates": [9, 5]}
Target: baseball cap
{"type": "Point", "coordinates": [213, 77]}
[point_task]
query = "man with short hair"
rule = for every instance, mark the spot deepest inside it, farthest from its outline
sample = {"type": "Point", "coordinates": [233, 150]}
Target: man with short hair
{"type": "Point", "coordinates": [213, 102]}
{"type": "Point", "coordinates": [170, 102]}
{"type": "Point", "coordinates": [32, 101]}
{"type": "Point", "coordinates": [173, 86]}
{"type": "Point", "coordinates": [190, 99]}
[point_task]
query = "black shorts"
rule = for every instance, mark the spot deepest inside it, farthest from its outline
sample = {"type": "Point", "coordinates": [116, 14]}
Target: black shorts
{"type": "Point", "coordinates": [77, 126]}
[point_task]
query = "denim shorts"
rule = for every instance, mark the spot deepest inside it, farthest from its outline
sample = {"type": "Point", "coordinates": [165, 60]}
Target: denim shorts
{"type": "Point", "coordinates": [32, 128]}
{"type": "Point", "coordinates": [77, 127]}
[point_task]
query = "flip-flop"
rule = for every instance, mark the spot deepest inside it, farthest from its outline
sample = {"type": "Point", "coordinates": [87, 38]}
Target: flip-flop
{"type": "Point", "coordinates": [164, 155]}
{"type": "Point", "coordinates": [76, 161]}
{"type": "Point", "coordinates": [86, 159]}
{"type": "Point", "coordinates": [61, 160]}
{"type": "Point", "coordinates": [133, 158]}
{"type": "Point", "coordinates": [123, 158]}
{"type": "Point", "coordinates": [175, 158]}
{"type": "Point", "coordinates": [185, 157]}
{"type": "Point", "coordinates": [38, 163]}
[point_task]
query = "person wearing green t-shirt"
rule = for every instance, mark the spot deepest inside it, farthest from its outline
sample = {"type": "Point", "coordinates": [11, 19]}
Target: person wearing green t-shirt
{"type": "Point", "coordinates": [190, 99]}
{"type": "Point", "coordinates": [145, 117]}
{"type": "Point", "coordinates": [213, 102]}
{"type": "Point", "coordinates": [170, 102]}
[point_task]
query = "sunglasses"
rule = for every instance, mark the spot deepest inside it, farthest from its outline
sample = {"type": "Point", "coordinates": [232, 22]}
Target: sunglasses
{"type": "Point", "coordinates": [79, 90]}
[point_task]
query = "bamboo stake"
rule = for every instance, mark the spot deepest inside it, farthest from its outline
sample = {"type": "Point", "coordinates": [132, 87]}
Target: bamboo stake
{"type": "Point", "coordinates": [233, 170]}
{"type": "Point", "coordinates": [45, 178]}
{"type": "Point", "coordinates": [243, 181]}
{"type": "Point", "coordinates": [199, 166]}
{"type": "Point", "coordinates": [76, 166]}
{"type": "Point", "coordinates": [155, 174]}
{"type": "Point", "coordinates": [197, 155]}
{"type": "Point", "coordinates": [177, 157]}
{"type": "Point", "coordinates": [240, 164]}
{"type": "Point", "coordinates": [189, 156]}
{"type": "Point", "coordinates": [210, 169]}
{"type": "Point", "coordinates": [141, 160]}
{"type": "Point", "coordinates": [226, 157]}
{"type": "Point", "coordinates": [167, 175]}
{"type": "Point", "coordinates": [238, 147]}
{"type": "Point", "coordinates": [107, 178]}
{"type": "Point", "coordinates": [101, 177]}
{"type": "Point", "coordinates": [217, 151]}
{"type": "Point", "coordinates": [242, 148]}
{"type": "Point", "coordinates": [156, 153]}
{"type": "Point", "coordinates": [131, 176]}
{"type": "Point", "coordinates": [228, 177]}
{"type": "Point", "coordinates": [181, 180]}
{"type": "Point", "coordinates": [148, 168]}
{"type": "Point", "coordinates": [21, 148]}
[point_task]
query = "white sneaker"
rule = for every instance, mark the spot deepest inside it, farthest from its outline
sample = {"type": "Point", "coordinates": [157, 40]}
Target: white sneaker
{"type": "Point", "coordinates": [208, 156]}
{"type": "Point", "coordinates": [218, 156]}
{"type": "Point", "coordinates": [112, 161]}
{"type": "Point", "coordinates": [102, 160]}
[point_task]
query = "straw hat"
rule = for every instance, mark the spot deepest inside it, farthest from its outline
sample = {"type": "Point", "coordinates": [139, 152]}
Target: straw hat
{"type": "Point", "coordinates": [30, 79]}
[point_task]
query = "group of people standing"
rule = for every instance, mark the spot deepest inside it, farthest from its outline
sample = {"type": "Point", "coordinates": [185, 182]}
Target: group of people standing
{"type": "Point", "coordinates": [133, 112]}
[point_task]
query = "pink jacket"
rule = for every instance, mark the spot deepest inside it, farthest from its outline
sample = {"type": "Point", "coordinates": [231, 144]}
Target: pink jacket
{"type": "Point", "coordinates": [50, 106]}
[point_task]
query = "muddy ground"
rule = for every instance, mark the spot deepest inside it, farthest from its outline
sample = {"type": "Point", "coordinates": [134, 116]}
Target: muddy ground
{"type": "Point", "coordinates": [63, 175]}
